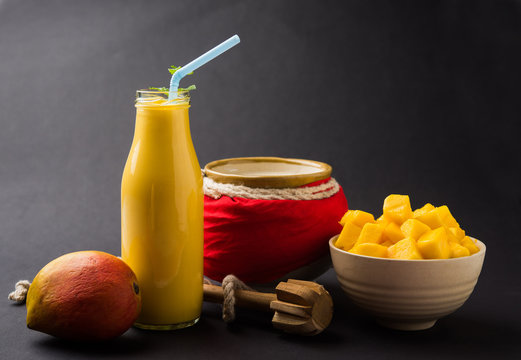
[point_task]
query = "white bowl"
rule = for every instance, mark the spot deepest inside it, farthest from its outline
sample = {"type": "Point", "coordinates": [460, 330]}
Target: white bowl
{"type": "Point", "coordinates": [407, 294]}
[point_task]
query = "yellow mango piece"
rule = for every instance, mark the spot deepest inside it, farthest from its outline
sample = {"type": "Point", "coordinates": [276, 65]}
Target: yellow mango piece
{"type": "Point", "coordinates": [371, 233]}
{"type": "Point", "coordinates": [446, 217]}
{"type": "Point", "coordinates": [470, 244]}
{"type": "Point", "coordinates": [432, 219]}
{"type": "Point", "coordinates": [458, 233]}
{"type": "Point", "coordinates": [413, 228]}
{"type": "Point", "coordinates": [392, 233]}
{"type": "Point", "coordinates": [452, 238]}
{"type": "Point", "coordinates": [456, 250]}
{"type": "Point", "coordinates": [434, 244]}
{"type": "Point", "coordinates": [370, 249]}
{"type": "Point", "coordinates": [423, 210]}
{"type": "Point", "coordinates": [387, 243]}
{"type": "Point", "coordinates": [348, 236]}
{"type": "Point", "coordinates": [397, 208]}
{"type": "Point", "coordinates": [405, 249]}
{"type": "Point", "coordinates": [383, 220]}
{"type": "Point", "coordinates": [358, 217]}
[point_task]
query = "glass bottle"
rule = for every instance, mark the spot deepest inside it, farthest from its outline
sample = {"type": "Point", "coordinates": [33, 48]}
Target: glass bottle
{"type": "Point", "coordinates": [162, 213]}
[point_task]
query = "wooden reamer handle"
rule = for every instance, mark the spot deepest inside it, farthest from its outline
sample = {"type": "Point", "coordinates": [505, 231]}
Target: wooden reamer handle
{"type": "Point", "coordinates": [244, 298]}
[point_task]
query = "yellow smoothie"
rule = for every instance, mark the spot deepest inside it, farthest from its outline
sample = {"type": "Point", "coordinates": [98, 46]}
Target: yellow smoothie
{"type": "Point", "coordinates": [162, 214]}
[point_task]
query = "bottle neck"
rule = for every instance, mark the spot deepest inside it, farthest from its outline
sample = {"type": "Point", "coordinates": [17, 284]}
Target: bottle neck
{"type": "Point", "coordinates": [162, 124]}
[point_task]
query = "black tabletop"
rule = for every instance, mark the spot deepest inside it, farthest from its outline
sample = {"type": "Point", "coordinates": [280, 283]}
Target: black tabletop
{"type": "Point", "coordinates": [406, 97]}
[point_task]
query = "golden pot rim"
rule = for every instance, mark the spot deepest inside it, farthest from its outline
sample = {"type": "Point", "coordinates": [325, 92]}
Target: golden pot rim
{"type": "Point", "coordinates": [267, 172]}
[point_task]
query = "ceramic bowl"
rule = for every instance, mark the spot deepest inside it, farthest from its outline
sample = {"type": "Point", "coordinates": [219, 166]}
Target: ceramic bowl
{"type": "Point", "coordinates": [407, 294]}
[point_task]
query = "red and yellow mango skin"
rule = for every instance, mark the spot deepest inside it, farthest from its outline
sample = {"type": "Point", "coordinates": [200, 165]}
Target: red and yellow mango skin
{"type": "Point", "coordinates": [85, 295]}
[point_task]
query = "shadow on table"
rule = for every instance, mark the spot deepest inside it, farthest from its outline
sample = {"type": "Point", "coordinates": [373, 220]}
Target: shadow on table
{"type": "Point", "coordinates": [249, 323]}
{"type": "Point", "coordinates": [466, 332]}
{"type": "Point", "coordinates": [123, 345]}
{"type": "Point", "coordinates": [460, 334]}
{"type": "Point", "coordinates": [133, 344]}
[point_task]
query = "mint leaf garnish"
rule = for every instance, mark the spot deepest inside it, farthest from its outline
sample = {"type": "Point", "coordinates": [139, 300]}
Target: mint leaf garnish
{"type": "Point", "coordinates": [172, 69]}
{"type": "Point", "coordinates": [158, 88]}
{"type": "Point", "coordinates": [165, 89]}
{"type": "Point", "coordinates": [190, 88]}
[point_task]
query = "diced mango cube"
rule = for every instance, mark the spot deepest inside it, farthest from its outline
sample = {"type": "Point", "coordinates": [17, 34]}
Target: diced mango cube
{"type": "Point", "coordinates": [387, 243]}
{"type": "Point", "coordinates": [458, 233]}
{"type": "Point", "coordinates": [470, 244]}
{"type": "Point", "coordinates": [413, 228]}
{"type": "Point", "coordinates": [371, 233]}
{"type": "Point", "coordinates": [446, 217]}
{"type": "Point", "coordinates": [432, 219]}
{"type": "Point", "coordinates": [383, 220]}
{"type": "Point", "coordinates": [452, 238]}
{"type": "Point", "coordinates": [434, 244]}
{"type": "Point", "coordinates": [423, 210]}
{"type": "Point", "coordinates": [392, 233]}
{"type": "Point", "coordinates": [404, 249]}
{"type": "Point", "coordinates": [397, 208]}
{"type": "Point", "coordinates": [427, 233]}
{"type": "Point", "coordinates": [456, 250]}
{"type": "Point", "coordinates": [358, 217]}
{"type": "Point", "coordinates": [348, 236]}
{"type": "Point", "coordinates": [369, 249]}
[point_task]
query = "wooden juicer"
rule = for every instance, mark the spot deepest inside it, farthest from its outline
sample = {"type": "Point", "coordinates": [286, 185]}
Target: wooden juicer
{"type": "Point", "coordinates": [301, 307]}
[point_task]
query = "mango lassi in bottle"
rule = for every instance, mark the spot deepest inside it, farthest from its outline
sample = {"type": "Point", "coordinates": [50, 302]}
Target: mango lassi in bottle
{"type": "Point", "coordinates": [162, 213]}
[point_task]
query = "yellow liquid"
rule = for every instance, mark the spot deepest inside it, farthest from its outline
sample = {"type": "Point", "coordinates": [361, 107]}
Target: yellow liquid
{"type": "Point", "coordinates": [162, 217]}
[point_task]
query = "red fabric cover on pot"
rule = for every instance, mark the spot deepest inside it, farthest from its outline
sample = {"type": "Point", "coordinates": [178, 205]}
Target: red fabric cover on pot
{"type": "Point", "coordinates": [262, 240]}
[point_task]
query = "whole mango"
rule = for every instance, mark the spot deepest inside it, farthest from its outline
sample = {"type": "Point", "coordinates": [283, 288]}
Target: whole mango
{"type": "Point", "coordinates": [85, 295]}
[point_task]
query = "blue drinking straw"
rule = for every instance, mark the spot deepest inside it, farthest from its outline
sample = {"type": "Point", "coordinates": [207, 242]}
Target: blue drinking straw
{"type": "Point", "coordinates": [200, 61]}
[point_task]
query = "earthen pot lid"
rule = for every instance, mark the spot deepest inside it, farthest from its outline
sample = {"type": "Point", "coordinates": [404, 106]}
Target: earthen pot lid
{"type": "Point", "coordinates": [267, 172]}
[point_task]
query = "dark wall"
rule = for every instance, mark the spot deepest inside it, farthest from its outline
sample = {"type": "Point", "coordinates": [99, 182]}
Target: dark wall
{"type": "Point", "coordinates": [413, 97]}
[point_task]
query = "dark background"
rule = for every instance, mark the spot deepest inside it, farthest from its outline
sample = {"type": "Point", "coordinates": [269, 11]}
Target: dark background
{"type": "Point", "coordinates": [410, 97]}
